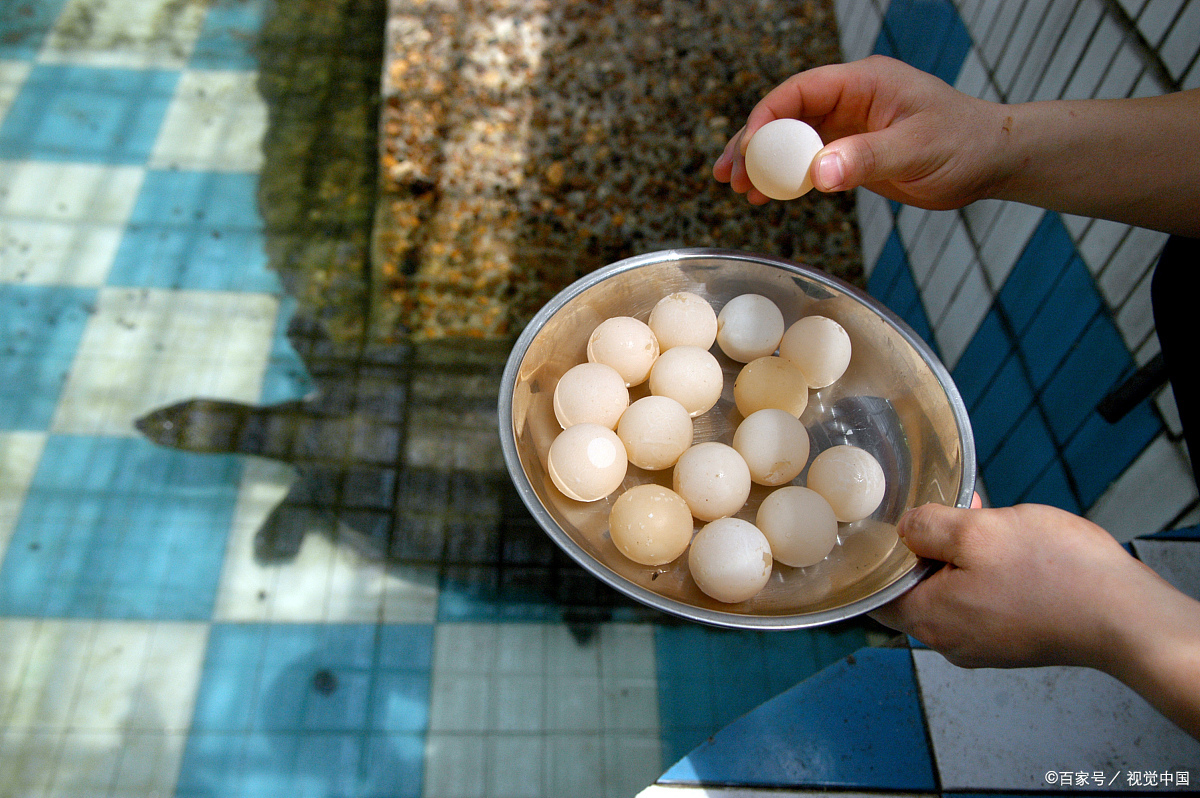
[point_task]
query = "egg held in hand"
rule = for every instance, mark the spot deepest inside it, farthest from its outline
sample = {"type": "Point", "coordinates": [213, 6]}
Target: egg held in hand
{"type": "Point", "coordinates": [779, 158]}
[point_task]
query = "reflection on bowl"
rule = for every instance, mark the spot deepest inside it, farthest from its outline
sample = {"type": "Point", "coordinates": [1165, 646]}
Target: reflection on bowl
{"type": "Point", "coordinates": [895, 400]}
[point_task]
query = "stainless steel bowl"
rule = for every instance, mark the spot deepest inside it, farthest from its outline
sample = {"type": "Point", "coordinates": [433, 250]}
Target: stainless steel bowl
{"type": "Point", "coordinates": [896, 400]}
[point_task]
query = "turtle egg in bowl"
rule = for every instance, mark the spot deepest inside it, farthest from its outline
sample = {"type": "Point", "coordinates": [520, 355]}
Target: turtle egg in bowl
{"type": "Point", "coordinates": [587, 462]}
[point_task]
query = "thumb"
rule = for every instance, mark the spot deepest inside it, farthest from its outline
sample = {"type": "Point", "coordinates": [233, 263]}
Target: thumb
{"type": "Point", "coordinates": [862, 159]}
{"type": "Point", "coordinates": [933, 531]}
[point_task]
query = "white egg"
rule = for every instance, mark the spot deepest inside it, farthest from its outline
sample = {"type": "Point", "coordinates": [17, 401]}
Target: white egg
{"type": "Point", "coordinates": [749, 327]}
{"type": "Point", "coordinates": [850, 479]}
{"type": "Point", "coordinates": [650, 524]}
{"type": "Point", "coordinates": [626, 344]}
{"type": "Point", "coordinates": [770, 382]}
{"type": "Point", "coordinates": [779, 157]}
{"type": "Point", "coordinates": [689, 375]}
{"type": "Point", "coordinates": [713, 479]}
{"type": "Point", "coordinates": [774, 445]}
{"type": "Point", "coordinates": [730, 560]}
{"type": "Point", "coordinates": [587, 462]}
{"type": "Point", "coordinates": [590, 393]}
{"type": "Point", "coordinates": [799, 524]}
{"type": "Point", "coordinates": [656, 430]}
{"type": "Point", "coordinates": [683, 319]}
{"type": "Point", "coordinates": [820, 348]}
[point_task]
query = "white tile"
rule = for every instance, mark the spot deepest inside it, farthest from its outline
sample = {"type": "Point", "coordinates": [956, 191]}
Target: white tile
{"type": "Point", "coordinates": [520, 649]}
{"type": "Point", "coordinates": [1180, 47]}
{"type": "Point", "coordinates": [20, 453]}
{"type": "Point", "coordinates": [925, 250]}
{"type": "Point", "coordinates": [516, 770]}
{"type": "Point", "coordinates": [323, 583]}
{"type": "Point", "coordinates": [680, 791]}
{"type": "Point", "coordinates": [1129, 264]}
{"type": "Point", "coordinates": [574, 764]}
{"type": "Point", "coordinates": [1020, 50]}
{"type": "Point", "coordinates": [1192, 79]}
{"type": "Point", "coordinates": [137, 34]}
{"type": "Point", "coordinates": [61, 223]}
{"type": "Point", "coordinates": [973, 78]}
{"type": "Point", "coordinates": [568, 656]}
{"type": "Point", "coordinates": [464, 647]}
{"type": "Point", "coordinates": [1132, 7]}
{"type": "Point", "coordinates": [1007, 239]}
{"type": "Point", "coordinates": [215, 123]}
{"type": "Point", "coordinates": [981, 215]}
{"type": "Point", "coordinates": [1165, 402]}
{"type": "Point", "coordinates": [1149, 85]}
{"type": "Point", "coordinates": [1146, 352]}
{"type": "Point", "coordinates": [999, 26]}
{"type": "Point", "coordinates": [966, 310]}
{"type": "Point", "coordinates": [1101, 240]}
{"type": "Point", "coordinates": [864, 33]}
{"type": "Point", "coordinates": [1155, 19]}
{"type": "Point", "coordinates": [1173, 560]}
{"type": "Point", "coordinates": [28, 761]}
{"type": "Point", "coordinates": [1101, 50]}
{"type": "Point", "coordinates": [573, 704]}
{"type": "Point", "coordinates": [459, 703]}
{"type": "Point", "coordinates": [1122, 74]}
{"type": "Point", "coordinates": [12, 78]}
{"type": "Point", "coordinates": [518, 704]}
{"type": "Point", "coordinates": [632, 763]}
{"type": "Point", "coordinates": [1005, 729]}
{"type": "Point", "coordinates": [627, 649]}
{"type": "Point", "coordinates": [1077, 226]}
{"type": "Point", "coordinates": [630, 704]}
{"type": "Point", "coordinates": [1148, 496]}
{"type": "Point", "coordinates": [953, 262]}
{"type": "Point", "coordinates": [149, 764]}
{"type": "Point", "coordinates": [874, 226]}
{"type": "Point", "coordinates": [1068, 55]}
{"type": "Point", "coordinates": [455, 766]}
{"type": "Point", "coordinates": [979, 21]}
{"type": "Point", "coordinates": [143, 349]}
{"type": "Point", "coordinates": [46, 664]}
{"type": "Point", "coordinates": [1135, 318]}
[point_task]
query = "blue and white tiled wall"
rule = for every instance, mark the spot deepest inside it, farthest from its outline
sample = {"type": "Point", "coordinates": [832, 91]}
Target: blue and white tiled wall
{"type": "Point", "coordinates": [1039, 315]}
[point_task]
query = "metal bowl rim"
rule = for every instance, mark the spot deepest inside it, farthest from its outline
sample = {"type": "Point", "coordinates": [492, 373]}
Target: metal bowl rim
{"type": "Point", "coordinates": [732, 620]}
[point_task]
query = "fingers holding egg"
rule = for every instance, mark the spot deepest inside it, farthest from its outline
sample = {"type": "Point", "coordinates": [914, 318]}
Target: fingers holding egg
{"type": "Point", "coordinates": [779, 158]}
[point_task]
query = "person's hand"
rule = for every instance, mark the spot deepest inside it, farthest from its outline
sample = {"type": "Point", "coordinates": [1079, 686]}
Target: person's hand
{"type": "Point", "coordinates": [1025, 585]}
{"type": "Point", "coordinates": [900, 132]}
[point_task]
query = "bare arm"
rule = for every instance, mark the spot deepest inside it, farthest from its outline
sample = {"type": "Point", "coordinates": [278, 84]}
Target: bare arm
{"type": "Point", "coordinates": [1033, 585]}
{"type": "Point", "coordinates": [910, 137]}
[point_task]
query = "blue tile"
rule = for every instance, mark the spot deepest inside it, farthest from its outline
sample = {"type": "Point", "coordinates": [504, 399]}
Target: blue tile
{"type": "Point", "coordinates": [1000, 407]}
{"type": "Point", "coordinates": [857, 724]}
{"type": "Point", "coordinates": [1015, 466]}
{"type": "Point", "coordinates": [1053, 488]}
{"type": "Point", "coordinates": [1036, 271]}
{"type": "Point", "coordinates": [40, 328]}
{"type": "Point", "coordinates": [891, 264]}
{"type": "Point", "coordinates": [1097, 363]}
{"type": "Point", "coordinates": [24, 26]}
{"type": "Point", "coordinates": [71, 113]}
{"type": "Point", "coordinates": [986, 353]}
{"type": "Point", "coordinates": [693, 663]}
{"type": "Point", "coordinates": [1073, 303]}
{"type": "Point", "coordinates": [198, 231]}
{"type": "Point", "coordinates": [927, 34]}
{"type": "Point", "coordinates": [228, 38]}
{"type": "Point", "coordinates": [1100, 451]}
{"type": "Point", "coordinates": [310, 709]}
{"type": "Point", "coordinates": [107, 526]}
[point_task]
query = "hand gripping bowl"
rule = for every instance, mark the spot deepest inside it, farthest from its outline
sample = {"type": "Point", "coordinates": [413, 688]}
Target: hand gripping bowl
{"type": "Point", "coordinates": [896, 400]}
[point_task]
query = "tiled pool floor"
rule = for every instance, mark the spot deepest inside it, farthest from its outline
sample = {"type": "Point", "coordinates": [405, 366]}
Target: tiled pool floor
{"type": "Point", "coordinates": [167, 630]}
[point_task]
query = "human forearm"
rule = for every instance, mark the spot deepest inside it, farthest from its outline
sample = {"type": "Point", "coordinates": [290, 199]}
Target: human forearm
{"type": "Point", "coordinates": [1133, 161]}
{"type": "Point", "coordinates": [1155, 650]}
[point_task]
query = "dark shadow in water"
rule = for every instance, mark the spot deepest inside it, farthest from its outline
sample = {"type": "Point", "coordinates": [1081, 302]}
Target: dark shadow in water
{"type": "Point", "coordinates": [397, 452]}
